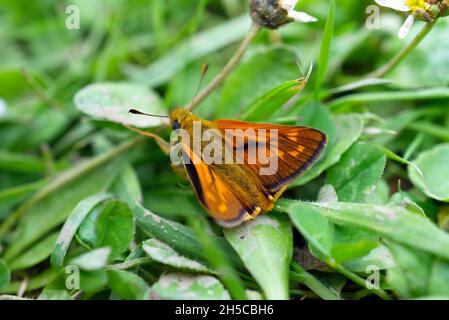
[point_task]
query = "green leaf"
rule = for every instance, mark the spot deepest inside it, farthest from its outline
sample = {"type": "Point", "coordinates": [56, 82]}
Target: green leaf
{"type": "Point", "coordinates": [56, 289]}
{"type": "Point", "coordinates": [115, 228]}
{"type": "Point", "coordinates": [16, 162]}
{"type": "Point", "coordinates": [391, 222]}
{"type": "Point", "coordinates": [162, 253]}
{"type": "Point", "coordinates": [93, 281]}
{"type": "Point", "coordinates": [435, 179]}
{"type": "Point", "coordinates": [127, 285]}
{"type": "Point", "coordinates": [71, 225]}
{"type": "Point", "coordinates": [127, 186]}
{"type": "Point", "coordinates": [418, 70]}
{"type": "Point", "coordinates": [325, 47]}
{"type": "Point", "coordinates": [163, 69]}
{"type": "Point", "coordinates": [36, 254]}
{"type": "Point", "coordinates": [5, 275]}
{"type": "Point", "coordinates": [52, 204]}
{"type": "Point", "coordinates": [349, 127]}
{"type": "Point", "coordinates": [344, 252]}
{"type": "Point", "coordinates": [379, 257]}
{"type": "Point", "coordinates": [389, 96]}
{"type": "Point", "coordinates": [265, 245]}
{"type": "Point", "coordinates": [181, 238]}
{"type": "Point", "coordinates": [264, 106]}
{"type": "Point", "coordinates": [254, 77]}
{"type": "Point", "coordinates": [356, 175]}
{"type": "Point", "coordinates": [86, 234]}
{"type": "Point", "coordinates": [176, 286]}
{"type": "Point", "coordinates": [416, 273]}
{"type": "Point", "coordinates": [92, 260]}
{"type": "Point", "coordinates": [315, 227]}
{"type": "Point", "coordinates": [112, 101]}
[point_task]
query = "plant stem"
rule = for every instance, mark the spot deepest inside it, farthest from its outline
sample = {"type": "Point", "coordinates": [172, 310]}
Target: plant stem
{"type": "Point", "coordinates": [232, 63]}
{"type": "Point", "coordinates": [390, 65]}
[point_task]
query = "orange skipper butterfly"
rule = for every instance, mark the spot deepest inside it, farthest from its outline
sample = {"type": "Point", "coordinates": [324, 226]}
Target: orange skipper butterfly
{"type": "Point", "coordinates": [239, 169]}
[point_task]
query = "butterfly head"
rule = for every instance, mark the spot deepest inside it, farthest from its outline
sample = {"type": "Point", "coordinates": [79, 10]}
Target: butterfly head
{"type": "Point", "coordinates": [178, 117]}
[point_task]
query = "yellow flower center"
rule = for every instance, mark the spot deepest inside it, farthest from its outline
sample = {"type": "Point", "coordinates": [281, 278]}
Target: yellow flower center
{"type": "Point", "coordinates": [416, 5]}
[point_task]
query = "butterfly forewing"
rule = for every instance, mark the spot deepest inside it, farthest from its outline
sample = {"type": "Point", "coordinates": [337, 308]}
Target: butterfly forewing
{"type": "Point", "coordinates": [297, 148]}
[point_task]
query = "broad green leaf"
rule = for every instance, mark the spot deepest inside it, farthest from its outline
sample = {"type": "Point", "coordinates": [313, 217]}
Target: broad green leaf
{"type": "Point", "coordinates": [265, 245]}
{"type": "Point", "coordinates": [181, 238]}
{"type": "Point", "coordinates": [93, 281]}
{"type": "Point", "coordinates": [92, 260]}
{"type": "Point", "coordinates": [349, 127]}
{"type": "Point", "coordinates": [115, 228]}
{"type": "Point", "coordinates": [177, 286]}
{"type": "Point", "coordinates": [56, 289]}
{"type": "Point", "coordinates": [127, 285]}
{"type": "Point", "coordinates": [318, 116]}
{"type": "Point", "coordinates": [112, 101]}
{"type": "Point", "coordinates": [439, 277]}
{"type": "Point", "coordinates": [5, 275]}
{"type": "Point", "coordinates": [417, 273]}
{"type": "Point", "coordinates": [252, 78]}
{"type": "Point", "coordinates": [54, 294]}
{"type": "Point", "coordinates": [347, 251]}
{"type": "Point", "coordinates": [391, 222]}
{"type": "Point", "coordinates": [435, 179]}
{"type": "Point", "coordinates": [36, 254]}
{"type": "Point", "coordinates": [418, 70]}
{"type": "Point", "coordinates": [163, 69]}
{"type": "Point", "coordinates": [162, 253]}
{"type": "Point", "coordinates": [379, 257]}
{"type": "Point", "coordinates": [86, 234]}
{"type": "Point", "coordinates": [264, 106]}
{"type": "Point", "coordinates": [357, 173]}
{"type": "Point", "coordinates": [127, 186]}
{"type": "Point", "coordinates": [357, 250]}
{"type": "Point", "coordinates": [315, 227]}
{"type": "Point", "coordinates": [71, 225]}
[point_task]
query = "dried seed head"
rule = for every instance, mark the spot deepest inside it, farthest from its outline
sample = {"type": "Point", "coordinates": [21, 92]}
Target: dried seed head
{"type": "Point", "coordinates": [272, 14]}
{"type": "Point", "coordinates": [268, 13]}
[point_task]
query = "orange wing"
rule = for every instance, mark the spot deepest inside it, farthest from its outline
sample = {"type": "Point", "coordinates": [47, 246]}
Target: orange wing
{"type": "Point", "coordinates": [215, 193]}
{"type": "Point", "coordinates": [297, 149]}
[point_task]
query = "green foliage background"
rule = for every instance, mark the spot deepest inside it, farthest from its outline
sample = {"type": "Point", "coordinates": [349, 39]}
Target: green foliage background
{"type": "Point", "coordinates": [368, 221]}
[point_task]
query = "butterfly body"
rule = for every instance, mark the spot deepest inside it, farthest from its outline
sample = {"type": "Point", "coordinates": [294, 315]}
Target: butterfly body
{"type": "Point", "coordinates": [232, 188]}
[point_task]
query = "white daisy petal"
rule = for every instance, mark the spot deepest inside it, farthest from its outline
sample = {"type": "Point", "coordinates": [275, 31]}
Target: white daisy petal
{"type": "Point", "coordinates": [288, 4]}
{"type": "Point", "coordinates": [406, 27]}
{"type": "Point", "coordinates": [301, 16]}
{"type": "Point", "coordinates": [398, 5]}
{"type": "Point", "coordinates": [3, 107]}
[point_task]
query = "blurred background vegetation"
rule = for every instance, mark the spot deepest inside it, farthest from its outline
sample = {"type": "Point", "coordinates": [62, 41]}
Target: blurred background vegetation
{"type": "Point", "coordinates": [57, 150]}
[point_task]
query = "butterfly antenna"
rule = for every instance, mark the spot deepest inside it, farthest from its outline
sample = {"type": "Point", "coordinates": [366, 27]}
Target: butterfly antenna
{"type": "Point", "coordinates": [203, 74]}
{"type": "Point", "coordinates": [135, 111]}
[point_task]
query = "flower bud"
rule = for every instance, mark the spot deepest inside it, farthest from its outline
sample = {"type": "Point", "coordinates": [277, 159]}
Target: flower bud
{"type": "Point", "coordinates": [272, 14]}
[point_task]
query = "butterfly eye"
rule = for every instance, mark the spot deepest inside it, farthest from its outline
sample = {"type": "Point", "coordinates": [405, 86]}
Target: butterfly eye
{"type": "Point", "coordinates": [176, 125]}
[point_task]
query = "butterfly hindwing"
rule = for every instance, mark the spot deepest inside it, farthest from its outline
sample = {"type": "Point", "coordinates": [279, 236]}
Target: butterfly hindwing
{"type": "Point", "coordinates": [218, 192]}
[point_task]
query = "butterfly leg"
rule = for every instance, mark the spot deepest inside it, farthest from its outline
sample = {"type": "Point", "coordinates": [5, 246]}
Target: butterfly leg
{"type": "Point", "coordinates": [164, 145]}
